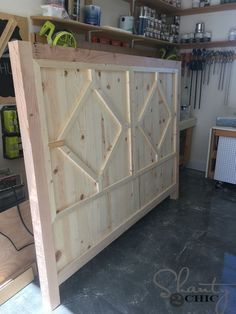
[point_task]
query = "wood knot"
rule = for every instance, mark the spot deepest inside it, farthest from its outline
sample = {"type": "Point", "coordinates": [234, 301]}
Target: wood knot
{"type": "Point", "coordinates": [148, 87]}
{"type": "Point", "coordinates": [82, 197]}
{"type": "Point", "coordinates": [58, 255]}
{"type": "Point", "coordinates": [82, 137]}
{"type": "Point", "coordinates": [137, 87]}
{"type": "Point", "coordinates": [118, 80]}
{"type": "Point", "coordinates": [108, 86]}
{"type": "Point", "coordinates": [65, 73]}
{"type": "Point", "coordinates": [55, 171]}
{"type": "Point", "coordinates": [99, 74]}
{"type": "Point", "coordinates": [89, 247]}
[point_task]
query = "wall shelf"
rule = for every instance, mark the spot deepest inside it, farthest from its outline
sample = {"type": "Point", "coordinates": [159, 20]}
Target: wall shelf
{"type": "Point", "coordinates": [160, 5]}
{"type": "Point", "coordinates": [210, 9]}
{"type": "Point", "coordinates": [211, 44]}
{"type": "Point", "coordinates": [164, 7]}
{"type": "Point", "coordinates": [124, 36]}
{"type": "Point", "coordinates": [78, 27]}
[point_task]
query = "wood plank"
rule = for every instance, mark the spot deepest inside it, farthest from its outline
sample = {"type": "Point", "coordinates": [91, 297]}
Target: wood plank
{"type": "Point", "coordinates": [226, 133]}
{"type": "Point", "coordinates": [12, 287]}
{"type": "Point", "coordinates": [22, 23]}
{"type": "Point", "coordinates": [52, 53]}
{"type": "Point", "coordinates": [27, 105]}
{"type": "Point", "coordinates": [144, 51]}
{"type": "Point", "coordinates": [6, 35]}
{"type": "Point", "coordinates": [177, 97]}
{"type": "Point", "coordinates": [12, 261]}
{"type": "Point", "coordinates": [188, 145]}
{"type": "Point", "coordinates": [189, 123]}
{"type": "Point", "coordinates": [209, 170]}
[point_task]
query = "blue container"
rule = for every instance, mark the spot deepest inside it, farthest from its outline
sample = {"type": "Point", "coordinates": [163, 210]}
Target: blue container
{"type": "Point", "coordinates": [92, 15]}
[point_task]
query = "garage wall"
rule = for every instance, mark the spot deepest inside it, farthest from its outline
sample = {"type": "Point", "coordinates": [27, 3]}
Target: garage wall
{"type": "Point", "coordinates": [24, 8]}
{"type": "Point", "coordinates": [212, 101]}
{"type": "Point", "coordinates": [111, 11]}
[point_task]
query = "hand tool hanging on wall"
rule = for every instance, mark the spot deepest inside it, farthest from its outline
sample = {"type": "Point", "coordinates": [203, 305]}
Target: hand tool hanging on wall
{"type": "Point", "coordinates": [202, 65]}
{"type": "Point", "coordinates": [191, 70]}
{"type": "Point", "coordinates": [203, 72]}
{"type": "Point", "coordinates": [229, 75]}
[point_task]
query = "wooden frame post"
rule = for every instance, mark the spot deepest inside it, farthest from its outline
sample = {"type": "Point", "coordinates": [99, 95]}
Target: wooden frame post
{"type": "Point", "coordinates": [28, 111]}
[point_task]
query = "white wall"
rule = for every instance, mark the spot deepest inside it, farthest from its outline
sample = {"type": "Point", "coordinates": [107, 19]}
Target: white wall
{"type": "Point", "coordinates": [212, 102]}
{"type": "Point", "coordinates": [111, 11]}
{"type": "Point", "coordinates": [21, 7]}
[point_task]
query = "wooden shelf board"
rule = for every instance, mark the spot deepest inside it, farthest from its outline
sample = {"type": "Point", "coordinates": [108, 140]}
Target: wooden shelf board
{"type": "Point", "coordinates": [105, 31]}
{"type": "Point", "coordinates": [211, 44]}
{"type": "Point", "coordinates": [164, 7]}
{"type": "Point", "coordinates": [209, 9]}
{"type": "Point", "coordinates": [186, 124]}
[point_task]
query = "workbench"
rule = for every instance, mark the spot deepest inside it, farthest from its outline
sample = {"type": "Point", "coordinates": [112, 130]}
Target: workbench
{"type": "Point", "coordinates": [215, 133]}
{"type": "Point", "coordinates": [186, 134]}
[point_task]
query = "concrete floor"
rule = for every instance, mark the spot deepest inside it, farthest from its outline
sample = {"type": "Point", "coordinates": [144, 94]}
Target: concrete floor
{"type": "Point", "coordinates": [197, 232]}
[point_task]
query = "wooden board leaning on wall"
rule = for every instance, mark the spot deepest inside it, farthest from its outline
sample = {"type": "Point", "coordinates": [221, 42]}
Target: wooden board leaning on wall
{"type": "Point", "coordinates": [12, 262]}
{"type": "Point", "coordinates": [101, 138]}
{"type": "Point", "coordinates": [11, 27]}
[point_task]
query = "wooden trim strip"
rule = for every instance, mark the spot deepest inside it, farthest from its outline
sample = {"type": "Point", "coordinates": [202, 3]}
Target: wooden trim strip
{"type": "Point", "coordinates": [28, 111]}
{"type": "Point", "coordinates": [79, 163]}
{"type": "Point", "coordinates": [6, 35]}
{"type": "Point", "coordinates": [56, 144]}
{"type": "Point", "coordinates": [113, 186]}
{"type": "Point", "coordinates": [14, 285]}
{"type": "Point", "coordinates": [148, 99]}
{"type": "Point", "coordinates": [82, 97]}
{"type": "Point", "coordinates": [226, 133]}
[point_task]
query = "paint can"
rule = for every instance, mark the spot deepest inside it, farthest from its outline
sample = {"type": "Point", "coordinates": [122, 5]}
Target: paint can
{"type": "Point", "coordinates": [127, 23]}
{"type": "Point", "coordinates": [92, 15]}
